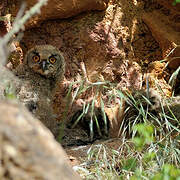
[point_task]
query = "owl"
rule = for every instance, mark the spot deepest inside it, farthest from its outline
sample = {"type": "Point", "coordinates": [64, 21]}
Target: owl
{"type": "Point", "coordinates": [45, 60]}
{"type": "Point", "coordinates": [43, 68]}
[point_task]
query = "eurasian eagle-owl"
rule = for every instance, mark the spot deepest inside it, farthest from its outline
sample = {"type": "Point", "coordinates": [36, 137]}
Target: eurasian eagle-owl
{"type": "Point", "coordinates": [39, 74]}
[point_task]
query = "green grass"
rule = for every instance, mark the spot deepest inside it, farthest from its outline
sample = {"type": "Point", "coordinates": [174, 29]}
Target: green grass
{"type": "Point", "coordinates": [150, 143]}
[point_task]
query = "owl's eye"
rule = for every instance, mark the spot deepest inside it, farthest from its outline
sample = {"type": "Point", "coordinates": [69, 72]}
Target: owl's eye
{"type": "Point", "coordinates": [52, 60]}
{"type": "Point", "coordinates": [36, 58]}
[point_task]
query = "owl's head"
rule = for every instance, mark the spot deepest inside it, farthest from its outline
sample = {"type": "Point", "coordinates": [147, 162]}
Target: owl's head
{"type": "Point", "coordinates": [45, 60]}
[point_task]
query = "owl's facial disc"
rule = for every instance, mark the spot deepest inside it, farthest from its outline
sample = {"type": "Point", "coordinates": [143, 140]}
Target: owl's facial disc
{"type": "Point", "coordinates": [44, 62]}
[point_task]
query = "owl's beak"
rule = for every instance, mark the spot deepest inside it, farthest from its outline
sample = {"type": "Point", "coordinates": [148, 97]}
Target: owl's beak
{"type": "Point", "coordinates": [43, 65]}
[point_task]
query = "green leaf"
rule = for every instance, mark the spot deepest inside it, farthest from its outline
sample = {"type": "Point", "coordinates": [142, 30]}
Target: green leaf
{"type": "Point", "coordinates": [168, 172]}
{"type": "Point", "coordinates": [139, 142]}
{"type": "Point", "coordinates": [148, 157]}
{"type": "Point", "coordinates": [130, 164]}
{"type": "Point", "coordinates": [175, 2]}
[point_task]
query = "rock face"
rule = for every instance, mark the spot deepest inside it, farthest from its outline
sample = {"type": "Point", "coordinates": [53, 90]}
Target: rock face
{"type": "Point", "coordinates": [27, 149]}
{"type": "Point", "coordinates": [121, 45]}
{"type": "Point", "coordinates": [58, 9]}
{"type": "Point", "coordinates": [163, 21]}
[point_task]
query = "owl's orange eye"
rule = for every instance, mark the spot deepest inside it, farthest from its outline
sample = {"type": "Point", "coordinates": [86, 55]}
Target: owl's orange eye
{"type": "Point", "coordinates": [52, 60]}
{"type": "Point", "coordinates": [36, 58]}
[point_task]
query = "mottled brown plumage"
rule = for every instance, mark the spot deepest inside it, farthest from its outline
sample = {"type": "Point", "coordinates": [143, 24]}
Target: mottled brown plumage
{"type": "Point", "coordinates": [39, 75]}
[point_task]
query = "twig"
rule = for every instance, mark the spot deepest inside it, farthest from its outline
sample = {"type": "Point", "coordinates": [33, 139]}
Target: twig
{"type": "Point", "coordinates": [84, 73]}
{"type": "Point", "coordinates": [20, 21]}
{"type": "Point", "coordinates": [17, 26]}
